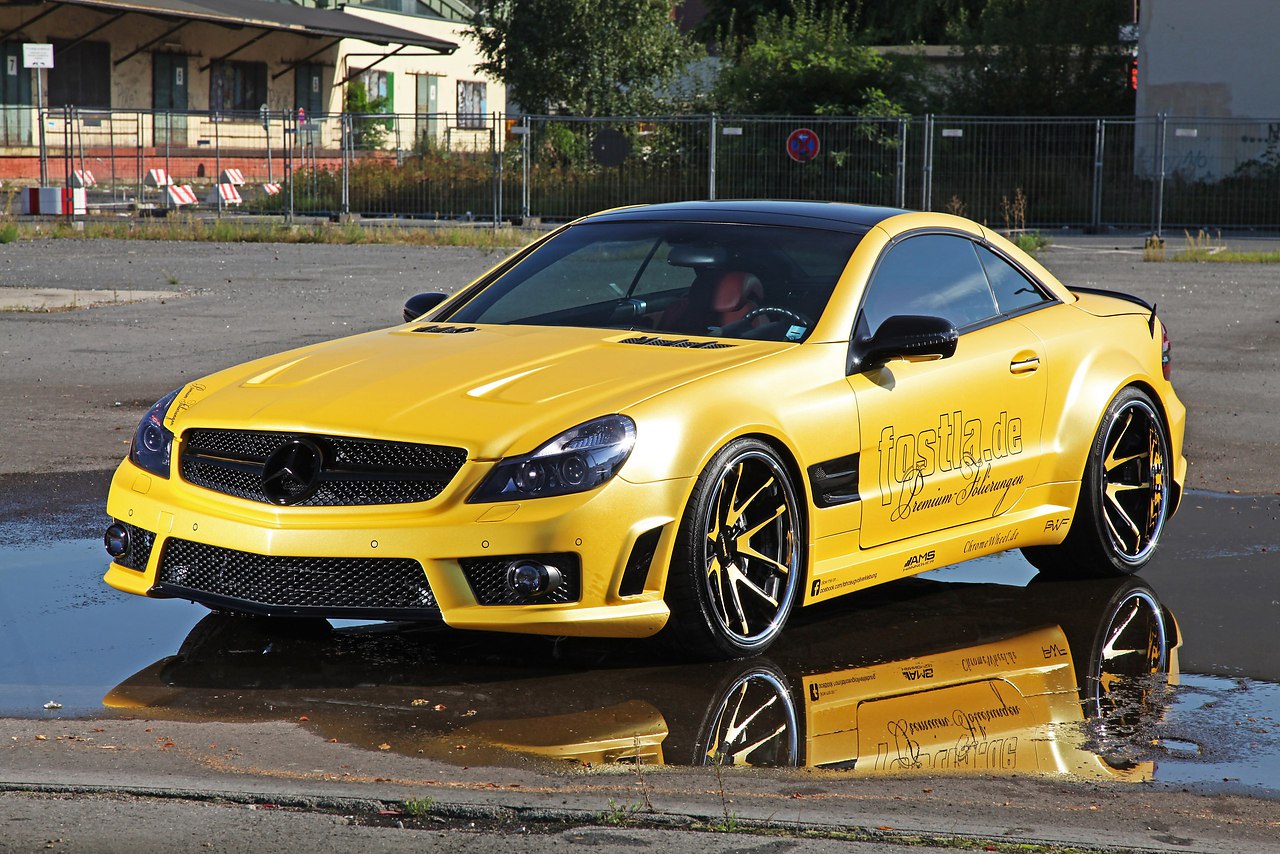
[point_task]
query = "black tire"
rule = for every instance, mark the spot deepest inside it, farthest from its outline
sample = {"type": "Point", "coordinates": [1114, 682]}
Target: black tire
{"type": "Point", "coordinates": [1124, 498]}
{"type": "Point", "coordinates": [752, 721]}
{"type": "Point", "coordinates": [739, 556]}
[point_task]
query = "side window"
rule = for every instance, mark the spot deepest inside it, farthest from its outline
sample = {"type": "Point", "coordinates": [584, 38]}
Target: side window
{"type": "Point", "coordinates": [933, 274]}
{"type": "Point", "coordinates": [1013, 290]}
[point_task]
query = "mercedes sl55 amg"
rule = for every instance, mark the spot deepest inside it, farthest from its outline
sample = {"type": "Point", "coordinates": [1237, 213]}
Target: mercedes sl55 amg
{"type": "Point", "coordinates": [685, 419]}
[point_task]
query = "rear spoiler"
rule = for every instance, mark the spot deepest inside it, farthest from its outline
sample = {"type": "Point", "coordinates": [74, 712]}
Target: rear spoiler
{"type": "Point", "coordinates": [1149, 306]}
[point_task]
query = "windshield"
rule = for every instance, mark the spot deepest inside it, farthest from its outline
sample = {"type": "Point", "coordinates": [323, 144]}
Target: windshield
{"type": "Point", "coordinates": [723, 280]}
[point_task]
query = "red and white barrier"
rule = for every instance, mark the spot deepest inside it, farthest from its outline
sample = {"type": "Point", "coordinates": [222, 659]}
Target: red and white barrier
{"type": "Point", "coordinates": [271, 189]}
{"type": "Point", "coordinates": [230, 195]}
{"type": "Point", "coordinates": [232, 176]}
{"type": "Point", "coordinates": [181, 195]}
{"type": "Point", "coordinates": [54, 200]}
{"type": "Point", "coordinates": [83, 178]}
{"type": "Point", "coordinates": [158, 178]}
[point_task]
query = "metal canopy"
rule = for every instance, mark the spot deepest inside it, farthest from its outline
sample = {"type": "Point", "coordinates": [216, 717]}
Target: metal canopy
{"type": "Point", "coordinates": [266, 15]}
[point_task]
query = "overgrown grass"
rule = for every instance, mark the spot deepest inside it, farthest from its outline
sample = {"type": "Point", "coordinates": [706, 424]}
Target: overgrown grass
{"type": "Point", "coordinates": [233, 231]}
{"type": "Point", "coordinates": [1206, 247]}
{"type": "Point", "coordinates": [1030, 242]}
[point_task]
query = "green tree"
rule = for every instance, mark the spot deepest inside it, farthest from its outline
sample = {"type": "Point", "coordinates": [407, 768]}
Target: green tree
{"type": "Point", "coordinates": [1033, 58]}
{"type": "Point", "coordinates": [875, 21]}
{"type": "Point", "coordinates": [583, 57]}
{"type": "Point", "coordinates": [368, 132]}
{"type": "Point", "coordinates": [809, 62]}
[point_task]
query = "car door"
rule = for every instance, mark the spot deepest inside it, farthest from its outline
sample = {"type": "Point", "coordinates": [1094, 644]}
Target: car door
{"type": "Point", "coordinates": [946, 441]}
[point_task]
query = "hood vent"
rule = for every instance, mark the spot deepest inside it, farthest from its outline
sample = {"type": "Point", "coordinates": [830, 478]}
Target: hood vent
{"type": "Point", "coordinates": [654, 341]}
{"type": "Point", "coordinates": [446, 330]}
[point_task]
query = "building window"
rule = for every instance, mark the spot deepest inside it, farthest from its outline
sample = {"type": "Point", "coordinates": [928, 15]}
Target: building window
{"type": "Point", "coordinates": [81, 76]}
{"type": "Point", "coordinates": [237, 86]}
{"type": "Point", "coordinates": [471, 104]}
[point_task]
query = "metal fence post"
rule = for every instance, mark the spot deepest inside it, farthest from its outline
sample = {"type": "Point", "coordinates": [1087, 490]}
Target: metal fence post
{"type": "Point", "coordinates": [495, 145]}
{"type": "Point", "coordinates": [1157, 226]}
{"type": "Point", "coordinates": [1099, 147]}
{"type": "Point", "coordinates": [926, 190]}
{"type": "Point", "coordinates": [347, 144]}
{"type": "Point", "coordinates": [44, 146]}
{"type": "Point", "coordinates": [67, 150]}
{"type": "Point", "coordinates": [525, 148]}
{"type": "Point", "coordinates": [288, 153]}
{"type": "Point", "coordinates": [217, 160]}
{"type": "Point", "coordinates": [900, 194]}
{"type": "Point", "coordinates": [168, 141]}
{"type": "Point", "coordinates": [711, 160]}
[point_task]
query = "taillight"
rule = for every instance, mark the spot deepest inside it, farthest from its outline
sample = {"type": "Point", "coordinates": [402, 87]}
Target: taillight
{"type": "Point", "coordinates": [1166, 365]}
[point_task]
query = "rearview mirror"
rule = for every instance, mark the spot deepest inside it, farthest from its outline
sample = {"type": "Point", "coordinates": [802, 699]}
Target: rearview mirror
{"type": "Point", "coordinates": [419, 304]}
{"type": "Point", "coordinates": [905, 336]}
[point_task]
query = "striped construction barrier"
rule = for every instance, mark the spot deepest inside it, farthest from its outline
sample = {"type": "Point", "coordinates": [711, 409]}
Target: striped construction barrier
{"type": "Point", "coordinates": [83, 178]}
{"type": "Point", "coordinates": [158, 178]}
{"type": "Point", "coordinates": [181, 195]}
{"type": "Point", "coordinates": [271, 189]}
{"type": "Point", "coordinates": [228, 193]}
{"type": "Point", "coordinates": [232, 176]}
{"type": "Point", "coordinates": [54, 200]}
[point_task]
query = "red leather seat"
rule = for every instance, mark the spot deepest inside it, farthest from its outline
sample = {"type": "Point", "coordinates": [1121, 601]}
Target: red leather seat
{"type": "Point", "coordinates": [715, 299]}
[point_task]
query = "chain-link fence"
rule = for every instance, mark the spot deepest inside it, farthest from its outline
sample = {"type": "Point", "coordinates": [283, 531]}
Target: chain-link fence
{"type": "Point", "coordinates": [1148, 174]}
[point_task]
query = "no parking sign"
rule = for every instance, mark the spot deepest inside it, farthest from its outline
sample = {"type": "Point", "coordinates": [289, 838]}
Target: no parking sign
{"type": "Point", "coordinates": [802, 145]}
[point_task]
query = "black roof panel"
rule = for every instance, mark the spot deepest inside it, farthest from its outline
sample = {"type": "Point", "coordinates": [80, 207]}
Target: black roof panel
{"type": "Point", "coordinates": [837, 216]}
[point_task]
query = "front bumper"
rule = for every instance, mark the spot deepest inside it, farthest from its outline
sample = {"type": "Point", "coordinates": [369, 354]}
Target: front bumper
{"type": "Point", "coordinates": [603, 531]}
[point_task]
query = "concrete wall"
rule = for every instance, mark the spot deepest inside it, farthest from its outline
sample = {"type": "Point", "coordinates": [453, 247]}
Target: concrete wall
{"type": "Point", "coordinates": [1212, 68]}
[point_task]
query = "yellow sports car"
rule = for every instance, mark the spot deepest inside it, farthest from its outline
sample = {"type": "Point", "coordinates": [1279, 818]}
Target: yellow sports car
{"type": "Point", "coordinates": [685, 418]}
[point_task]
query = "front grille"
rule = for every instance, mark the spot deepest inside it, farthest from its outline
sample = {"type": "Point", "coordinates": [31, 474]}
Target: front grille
{"type": "Point", "coordinates": [140, 544]}
{"type": "Point", "coordinates": [654, 341]}
{"type": "Point", "coordinates": [488, 579]}
{"type": "Point", "coordinates": [339, 587]}
{"type": "Point", "coordinates": [350, 472]}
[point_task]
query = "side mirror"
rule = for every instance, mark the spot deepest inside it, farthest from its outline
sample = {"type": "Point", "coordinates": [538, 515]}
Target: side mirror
{"type": "Point", "coordinates": [419, 304]}
{"type": "Point", "coordinates": [906, 336]}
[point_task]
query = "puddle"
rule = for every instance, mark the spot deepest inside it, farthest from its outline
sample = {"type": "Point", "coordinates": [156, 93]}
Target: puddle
{"type": "Point", "coordinates": [982, 668]}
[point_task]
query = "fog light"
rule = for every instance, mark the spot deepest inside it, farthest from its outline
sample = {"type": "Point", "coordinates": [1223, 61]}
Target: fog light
{"type": "Point", "coordinates": [531, 580]}
{"type": "Point", "coordinates": [116, 539]}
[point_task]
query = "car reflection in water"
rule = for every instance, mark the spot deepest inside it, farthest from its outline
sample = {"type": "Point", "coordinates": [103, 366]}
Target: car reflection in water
{"type": "Point", "coordinates": [1063, 677]}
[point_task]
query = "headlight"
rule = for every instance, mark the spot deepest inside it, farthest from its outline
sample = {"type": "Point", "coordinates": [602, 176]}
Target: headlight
{"type": "Point", "coordinates": [152, 441]}
{"type": "Point", "coordinates": [575, 461]}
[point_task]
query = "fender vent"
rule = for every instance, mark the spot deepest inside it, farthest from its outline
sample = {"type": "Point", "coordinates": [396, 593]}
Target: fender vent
{"type": "Point", "coordinates": [446, 330]}
{"type": "Point", "coordinates": [835, 481]}
{"type": "Point", "coordinates": [654, 341]}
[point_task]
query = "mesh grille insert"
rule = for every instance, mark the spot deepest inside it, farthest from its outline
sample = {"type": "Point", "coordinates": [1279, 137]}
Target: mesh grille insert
{"type": "Point", "coordinates": [324, 584]}
{"type": "Point", "coordinates": [141, 542]}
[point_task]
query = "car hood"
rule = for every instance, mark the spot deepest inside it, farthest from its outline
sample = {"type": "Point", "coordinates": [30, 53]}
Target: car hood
{"type": "Point", "coordinates": [489, 389]}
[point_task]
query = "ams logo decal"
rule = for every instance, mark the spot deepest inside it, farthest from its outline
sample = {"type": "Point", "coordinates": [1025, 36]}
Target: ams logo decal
{"type": "Point", "coordinates": [922, 559]}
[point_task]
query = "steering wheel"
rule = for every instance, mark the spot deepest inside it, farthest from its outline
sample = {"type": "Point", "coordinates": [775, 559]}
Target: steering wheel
{"type": "Point", "coordinates": [787, 313]}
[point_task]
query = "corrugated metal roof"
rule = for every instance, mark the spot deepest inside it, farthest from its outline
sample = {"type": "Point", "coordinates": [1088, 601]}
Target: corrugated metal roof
{"type": "Point", "coordinates": [261, 14]}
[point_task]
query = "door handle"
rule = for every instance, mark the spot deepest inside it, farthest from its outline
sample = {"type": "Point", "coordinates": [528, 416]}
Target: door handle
{"type": "Point", "coordinates": [1025, 365]}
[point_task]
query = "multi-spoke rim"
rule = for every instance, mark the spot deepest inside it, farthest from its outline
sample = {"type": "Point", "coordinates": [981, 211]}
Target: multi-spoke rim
{"type": "Point", "coordinates": [750, 554]}
{"type": "Point", "coordinates": [1134, 482]}
{"type": "Point", "coordinates": [1130, 675]}
{"type": "Point", "coordinates": [754, 724]}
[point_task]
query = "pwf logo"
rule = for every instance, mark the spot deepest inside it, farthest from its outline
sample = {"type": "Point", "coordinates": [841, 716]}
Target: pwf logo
{"type": "Point", "coordinates": [920, 560]}
{"type": "Point", "coordinates": [914, 674]}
